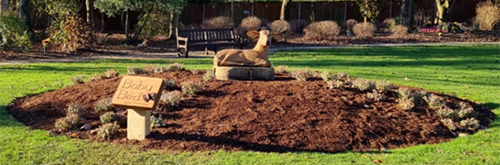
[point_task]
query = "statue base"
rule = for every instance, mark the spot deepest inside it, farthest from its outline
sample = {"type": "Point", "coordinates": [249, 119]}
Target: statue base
{"type": "Point", "coordinates": [244, 73]}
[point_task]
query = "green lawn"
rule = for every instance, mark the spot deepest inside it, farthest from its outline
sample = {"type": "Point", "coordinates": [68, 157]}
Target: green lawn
{"type": "Point", "coordinates": [471, 72]}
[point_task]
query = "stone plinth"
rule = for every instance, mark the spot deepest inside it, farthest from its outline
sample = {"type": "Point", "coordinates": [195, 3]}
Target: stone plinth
{"type": "Point", "coordinates": [244, 73]}
{"type": "Point", "coordinates": [138, 123]}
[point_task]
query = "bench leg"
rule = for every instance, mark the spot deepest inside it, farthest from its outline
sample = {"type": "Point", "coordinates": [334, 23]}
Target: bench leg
{"type": "Point", "coordinates": [206, 51]}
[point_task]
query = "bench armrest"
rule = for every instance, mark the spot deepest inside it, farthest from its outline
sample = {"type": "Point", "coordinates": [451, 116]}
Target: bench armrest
{"type": "Point", "coordinates": [182, 39]}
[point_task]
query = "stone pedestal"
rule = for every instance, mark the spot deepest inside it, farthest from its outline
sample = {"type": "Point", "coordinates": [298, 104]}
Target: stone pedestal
{"type": "Point", "coordinates": [138, 124]}
{"type": "Point", "coordinates": [244, 73]}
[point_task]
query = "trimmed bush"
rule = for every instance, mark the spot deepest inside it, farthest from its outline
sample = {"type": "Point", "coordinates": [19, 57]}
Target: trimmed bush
{"type": "Point", "coordinates": [251, 23]}
{"type": "Point", "coordinates": [279, 27]}
{"type": "Point", "coordinates": [399, 31]}
{"type": "Point", "coordinates": [67, 123]}
{"type": "Point", "coordinates": [350, 23]}
{"type": "Point", "coordinates": [218, 23]}
{"type": "Point", "coordinates": [191, 88]}
{"type": "Point", "coordinates": [364, 30]}
{"type": "Point", "coordinates": [298, 25]}
{"type": "Point", "coordinates": [323, 30]}
{"type": "Point", "coordinates": [108, 129]}
{"type": "Point", "coordinates": [171, 98]}
{"type": "Point", "coordinates": [389, 23]}
{"type": "Point", "coordinates": [103, 105]}
{"type": "Point", "coordinates": [487, 15]}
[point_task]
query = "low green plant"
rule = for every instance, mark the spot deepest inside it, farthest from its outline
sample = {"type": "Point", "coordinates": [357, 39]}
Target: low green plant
{"type": "Point", "coordinates": [156, 121]}
{"type": "Point", "coordinates": [209, 76]}
{"type": "Point", "coordinates": [169, 84]}
{"type": "Point", "coordinates": [449, 124]}
{"type": "Point", "coordinates": [176, 67]}
{"type": "Point", "coordinates": [78, 79]}
{"type": "Point", "coordinates": [384, 86]}
{"type": "Point", "coordinates": [133, 70]}
{"type": "Point", "coordinates": [67, 123]}
{"type": "Point", "coordinates": [336, 84]}
{"type": "Point", "coordinates": [281, 69]}
{"type": "Point", "coordinates": [435, 102]}
{"type": "Point", "coordinates": [103, 105]}
{"type": "Point", "coordinates": [171, 98]}
{"type": "Point", "coordinates": [446, 113]}
{"type": "Point", "coordinates": [342, 75]}
{"type": "Point", "coordinates": [106, 130]}
{"type": "Point", "coordinates": [464, 110]}
{"type": "Point", "coordinates": [363, 85]}
{"type": "Point", "coordinates": [109, 117]}
{"type": "Point", "coordinates": [327, 75]}
{"type": "Point", "coordinates": [471, 123]}
{"type": "Point", "coordinates": [14, 31]}
{"type": "Point", "coordinates": [406, 104]}
{"type": "Point", "coordinates": [191, 88]}
{"type": "Point", "coordinates": [375, 95]}
{"type": "Point", "coordinates": [76, 109]}
{"type": "Point", "coordinates": [301, 74]}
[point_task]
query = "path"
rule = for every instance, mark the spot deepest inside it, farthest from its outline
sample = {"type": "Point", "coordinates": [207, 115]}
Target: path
{"type": "Point", "coordinates": [200, 54]}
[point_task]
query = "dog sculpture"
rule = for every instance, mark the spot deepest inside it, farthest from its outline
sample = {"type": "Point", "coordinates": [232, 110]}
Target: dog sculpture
{"type": "Point", "coordinates": [256, 57]}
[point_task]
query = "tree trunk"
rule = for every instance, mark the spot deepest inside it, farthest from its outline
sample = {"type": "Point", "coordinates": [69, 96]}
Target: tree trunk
{"type": "Point", "coordinates": [23, 8]}
{"type": "Point", "coordinates": [443, 9]}
{"type": "Point", "coordinates": [174, 23]}
{"type": "Point", "coordinates": [283, 6]}
{"type": "Point", "coordinates": [90, 14]}
{"type": "Point", "coordinates": [139, 29]}
{"type": "Point", "coordinates": [4, 6]}
{"type": "Point", "coordinates": [406, 13]}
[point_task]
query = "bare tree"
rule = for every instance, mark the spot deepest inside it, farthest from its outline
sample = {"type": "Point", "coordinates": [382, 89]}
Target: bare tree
{"type": "Point", "coordinates": [283, 6]}
{"type": "Point", "coordinates": [443, 8]}
{"type": "Point", "coordinates": [406, 13]}
{"type": "Point", "coordinates": [90, 14]}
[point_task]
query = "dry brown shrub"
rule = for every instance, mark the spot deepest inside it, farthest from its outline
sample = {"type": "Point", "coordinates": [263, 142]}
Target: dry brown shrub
{"type": "Point", "coordinates": [364, 30]}
{"type": "Point", "coordinates": [251, 23]}
{"type": "Point", "coordinates": [218, 23]}
{"type": "Point", "coordinates": [279, 26]}
{"type": "Point", "coordinates": [487, 15]}
{"type": "Point", "coordinates": [349, 24]}
{"type": "Point", "coordinates": [298, 25]}
{"type": "Point", "coordinates": [322, 30]}
{"type": "Point", "coordinates": [399, 31]}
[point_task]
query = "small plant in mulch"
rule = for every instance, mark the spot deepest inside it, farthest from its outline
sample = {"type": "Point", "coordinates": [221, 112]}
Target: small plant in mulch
{"type": "Point", "coordinates": [171, 98]}
{"type": "Point", "coordinates": [191, 88]}
{"type": "Point", "coordinates": [156, 121]}
{"type": "Point", "coordinates": [375, 95]}
{"type": "Point", "coordinates": [435, 102]}
{"type": "Point", "coordinates": [67, 123]}
{"type": "Point", "coordinates": [470, 123]}
{"type": "Point", "coordinates": [103, 105]}
{"type": "Point", "coordinates": [169, 84]}
{"type": "Point", "coordinates": [327, 75]}
{"type": "Point", "coordinates": [154, 69]}
{"type": "Point", "coordinates": [363, 85]}
{"type": "Point", "coordinates": [281, 69]}
{"type": "Point", "coordinates": [176, 67]}
{"type": "Point", "coordinates": [106, 130]}
{"type": "Point", "coordinates": [464, 110]}
{"type": "Point", "coordinates": [78, 79]}
{"type": "Point", "coordinates": [342, 75]}
{"type": "Point", "coordinates": [110, 117]}
{"type": "Point", "coordinates": [194, 71]}
{"type": "Point", "coordinates": [336, 84]}
{"type": "Point", "coordinates": [133, 70]}
{"type": "Point", "coordinates": [405, 93]}
{"type": "Point", "coordinates": [209, 76]}
{"type": "Point", "coordinates": [384, 86]}
{"type": "Point", "coordinates": [446, 112]}
{"type": "Point", "coordinates": [76, 109]}
{"type": "Point", "coordinates": [301, 74]}
{"type": "Point", "coordinates": [406, 104]}
{"type": "Point", "coordinates": [111, 73]}
{"type": "Point", "coordinates": [449, 124]}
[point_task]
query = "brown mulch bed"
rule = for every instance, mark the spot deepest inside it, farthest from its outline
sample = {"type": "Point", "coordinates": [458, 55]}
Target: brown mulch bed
{"type": "Point", "coordinates": [271, 116]}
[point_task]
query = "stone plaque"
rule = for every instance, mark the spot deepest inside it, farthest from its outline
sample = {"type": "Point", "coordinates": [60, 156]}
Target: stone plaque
{"type": "Point", "coordinates": [138, 93]}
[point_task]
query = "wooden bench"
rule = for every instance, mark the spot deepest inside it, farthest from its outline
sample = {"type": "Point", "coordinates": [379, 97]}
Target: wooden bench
{"type": "Point", "coordinates": [207, 38]}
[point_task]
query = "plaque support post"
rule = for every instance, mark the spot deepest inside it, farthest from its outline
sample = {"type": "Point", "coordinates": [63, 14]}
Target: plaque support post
{"type": "Point", "coordinates": [138, 123]}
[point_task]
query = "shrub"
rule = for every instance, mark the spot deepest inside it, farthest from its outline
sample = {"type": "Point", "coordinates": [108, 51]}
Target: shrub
{"type": "Point", "coordinates": [176, 67]}
{"type": "Point", "coordinates": [342, 75]}
{"type": "Point", "coordinates": [133, 70]}
{"type": "Point", "coordinates": [251, 23]}
{"type": "Point", "coordinates": [399, 31]}
{"type": "Point", "coordinates": [191, 88]}
{"type": "Point", "coordinates": [67, 123]}
{"type": "Point", "coordinates": [76, 109]}
{"type": "Point", "coordinates": [78, 79]}
{"type": "Point", "coordinates": [389, 23]}
{"type": "Point", "coordinates": [106, 130]}
{"type": "Point", "coordinates": [487, 15]}
{"type": "Point", "coordinates": [156, 121]}
{"type": "Point", "coordinates": [435, 102]}
{"type": "Point", "coordinates": [14, 31]}
{"type": "Point", "coordinates": [327, 76]}
{"type": "Point", "coordinates": [195, 71]}
{"type": "Point", "coordinates": [218, 23]}
{"type": "Point", "coordinates": [209, 75]}
{"type": "Point", "coordinates": [375, 96]}
{"type": "Point", "coordinates": [449, 123]}
{"type": "Point", "coordinates": [171, 98]}
{"type": "Point", "coordinates": [349, 24]}
{"type": "Point", "coordinates": [279, 27]}
{"type": "Point", "coordinates": [406, 104]}
{"type": "Point", "coordinates": [446, 112]}
{"type": "Point", "coordinates": [337, 84]}
{"type": "Point", "coordinates": [470, 123]}
{"type": "Point", "coordinates": [109, 117]}
{"type": "Point", "coordinates": [154, 69]}
{"type": "Point", "coordinates": [298, 25]}
{"type": "Point", "coordinates": [169, 84]}
{"type": "Point", "coordinates": [363, 85]}
{"type": "Point", "coordinates": [405, 93]}
{"type": "Point", "coordinates": [281, 69]}
{"type": "Point", "coordinates": [103, 105]}
{"type": "Point", "coordinates": [384, 86]}
{"type": "Point", "coordinates": [301, 75]}
{"type": "Point", "coordinates": [464, 110]}
{"type": "Point", "coordinates": [73, 33]}
{"type": "Point", "coordinates": [111, 73]}
{"type": "Point", "coordinates": [364, 30]}
{"type": "Point", "coordinates": [323, 30]}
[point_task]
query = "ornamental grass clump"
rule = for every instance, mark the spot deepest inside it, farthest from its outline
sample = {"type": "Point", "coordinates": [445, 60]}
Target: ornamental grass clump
{"type": "Point", "coordinates": [384, 86]}
{"type": "Point", "coordinates": [323, 30]}
{"type": "Point", "coordinates": [154, 69]}
{"type": "Point", "coordinates": [67, 123]}
{"type": "Point", "coordinates": [251, 23]}
{"type": "Point", "coordinates": [176, 67]}
{"type": "Point", "coordinates": [375, 95]}
{"type": "Point", "coordinates": [169, 84]}
{"type": "Point", "coordinates": [171, 98]}
{"type": "Point", "coordinates": [109, 117]}
{"type": "Point", "coordinates": [399, 31]}
{"type": "Point", "coordinates": [406, 104]}
{"type": "Point", "coordinates": [435, 102]}
{"type": "Point", "coordinates": [106, 130]}
{"type": "Point", "coordinates": [363, 85]}
{"type": "Point", "coordinates": [103, 105]}
{"type": "Point", "coordinates": [449, 124]}
{"type": "Point", "coordinates": [209, 75]}
{"type": "Point", "coordinates": [191, 88]}
{"type": "Point", "coordinates": [446, 113]}
{"type": "Point", "coordinates": [78, 79]}
{"type": "Point", "coordinates": [219, 22]}
{"type": "Point", "coordinates": [133, 70]}
{"type": "Point", "coordinates": [342, 75]}
{"type": "Point", "coordinates": [301, 75]}
{"type": "Point", "coordinates": [464, 110]}
{"type": "Point", "coordinates": [470, 123]}
{"type": "Point", "coordinates": [487, 15]}
{"type": "Point", "coordinates": [279, 27]}
{"type": "Point", "coordinates": [111, 73]}
{"type": "Point", "coordinates": [76, 109]}
{"type": "Point", "coordinates": [327, 75]}
{"type": "Point", "coordinates": [281, 69]}
{"type": "Point", "coordinates": [194, 71]}
{"type": "Point", "coordinates": [364, 30]}
{"type": "Point", "coordinates": [336, 84]}
{"type": "Point", "coordinates": [405, 93]}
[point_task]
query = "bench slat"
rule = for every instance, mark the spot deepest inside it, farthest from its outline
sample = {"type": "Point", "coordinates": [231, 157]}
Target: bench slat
{"type": "Point", "coordinates": [206, 38]}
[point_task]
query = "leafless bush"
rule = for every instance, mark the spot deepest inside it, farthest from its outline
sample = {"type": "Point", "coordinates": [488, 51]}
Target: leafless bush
{"type": "Point", "coordinates": [279, 26]}
{"type": "Point", "coordinates": [364, 30]}
{"type": "Point", "coordinates": [323, 30]}
{"type": "Point", "coordinates": [399, 31]}
{"type": "Point", "coordinates": [218, 22]}
{"type": "Point", "coordinates": [487, 15]}
{"type": "Point", "coordinates": [349, 24]}
{"type": "Point", "coordinates": [251, 23]}
{"type": "Point", "coordinates": [298, 25]}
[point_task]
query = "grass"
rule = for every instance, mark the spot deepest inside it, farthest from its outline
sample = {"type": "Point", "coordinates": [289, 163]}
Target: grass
{"type": "Point", "coordinates": [471, 72]}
